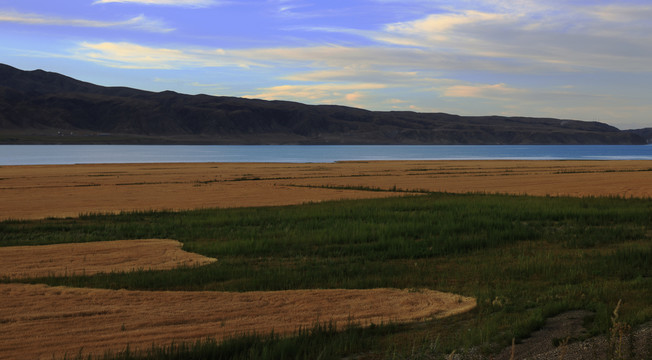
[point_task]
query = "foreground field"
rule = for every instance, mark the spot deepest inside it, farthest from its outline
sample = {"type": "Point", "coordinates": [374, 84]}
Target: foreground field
{"type": "Point", "coordinates": [40, 321]}
{"type": "Point", "coordinates": [68, 320]}
{"type": "Point", "coordinates": [32, 192]}
{"type": "Point", "coordinates": [524, 258]}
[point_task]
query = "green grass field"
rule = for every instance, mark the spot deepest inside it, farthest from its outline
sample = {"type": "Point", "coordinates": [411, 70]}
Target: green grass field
{"type": "Point", "coordinates": [524, 259]}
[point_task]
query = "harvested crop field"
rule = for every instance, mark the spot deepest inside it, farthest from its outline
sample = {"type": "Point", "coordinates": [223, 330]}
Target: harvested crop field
{"type": "Point", "coordinates": [32, 192]}
{"type": "Point", "coordinates": [92, 258]}
{"type": "Point", "coordinates": [39, 321]}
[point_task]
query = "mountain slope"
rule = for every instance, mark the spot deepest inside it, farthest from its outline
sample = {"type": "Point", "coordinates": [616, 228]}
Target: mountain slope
{"type": "Point", "coordinates": [44, 107]}
{"type": "Point", "coordinates": [645, 133]}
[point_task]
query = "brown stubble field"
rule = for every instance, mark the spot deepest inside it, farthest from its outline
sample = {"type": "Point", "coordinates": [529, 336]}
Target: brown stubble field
{"type": "Point", "coordinates": [39, 321]}
{"type": "Point", "coordinates": [20, 262]}
{"type": "Point", "coordinates": [98, 320]}
{"type": "Point", "coordinates": [32, 192]}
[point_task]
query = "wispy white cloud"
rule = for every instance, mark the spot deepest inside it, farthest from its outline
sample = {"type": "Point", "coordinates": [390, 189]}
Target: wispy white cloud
{"type": "Point", "coordinates": [139, 22]}
{"type": "Point", "coordinates": [391, 66]}
{"type": "Point", "coordinates": [508, 94]}
{"type": "Point", "coordinates": [519, 36]}
{"type": "Point", "coordinates": [126, 54]}
{"type": "Point", "coordinates": [561, 102]}
{"type": "Point", "coordinates": [505, 37]}
{"type": "Point", "coordinates": [324, 93]}
{"type": "Point", "coordinates": [307, 10]}
{"type": "Point", "coordinates": [356, 74]}
{"type": "Point", "coordinates": [621, 13]}
{"type": "Point", "coordinates": [133, 56]}
{"type": "Point", "coordinates": [179, 3]}
{"type": "Point", "coordinates": [570, 38]}
{"type": "Point", "coordinates": [486, 91]}
{"type": "Point", "coordinates": [288, 8]}
{"type": "Point", "coordinates": [436, 26]}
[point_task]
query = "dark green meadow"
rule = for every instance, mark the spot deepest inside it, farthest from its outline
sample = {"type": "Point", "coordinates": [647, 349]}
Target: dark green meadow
{"type": "Point", "coordinates": [524, 258]}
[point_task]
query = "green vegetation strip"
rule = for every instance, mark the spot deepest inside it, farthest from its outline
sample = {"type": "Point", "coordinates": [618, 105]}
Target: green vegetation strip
{"type": "Point", "coordinates": [524, 259]}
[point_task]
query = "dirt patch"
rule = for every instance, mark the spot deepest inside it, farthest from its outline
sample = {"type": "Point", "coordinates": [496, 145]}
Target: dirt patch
{"type": "Point", "coordinates": [545, 341]}
{"type": "Point", "coordinates": [635, 345]}
{"type": "Point", "coordinates": [95, 257]}
{"type": "Point", "coordinates": [32, 192]}
{"type": "Point", "coordinates": [558, 339]}
{"type": "Point", "coordinates": [39, 321]}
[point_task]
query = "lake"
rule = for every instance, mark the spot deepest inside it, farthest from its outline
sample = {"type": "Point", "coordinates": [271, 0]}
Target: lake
{"type": "Point", "coordinates": [101, 154]}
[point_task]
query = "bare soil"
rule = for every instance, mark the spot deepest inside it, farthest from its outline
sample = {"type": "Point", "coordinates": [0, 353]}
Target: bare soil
{"type": "Point", "coordinates": [32, 192]}
{"type": "Point", "coordinates": [564, 337]}
{"type": "Point", "coordinates": [95, 257]}
{"type": "Point", "coordinates": [38, 321]}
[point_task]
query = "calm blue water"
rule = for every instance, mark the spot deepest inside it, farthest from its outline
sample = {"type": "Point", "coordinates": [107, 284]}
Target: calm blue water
{"type": "Point", "coordinates": [97, 154]}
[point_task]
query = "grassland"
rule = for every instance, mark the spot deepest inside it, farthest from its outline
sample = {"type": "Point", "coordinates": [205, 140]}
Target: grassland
{"type": "Point", "coordinates": [524, 258]}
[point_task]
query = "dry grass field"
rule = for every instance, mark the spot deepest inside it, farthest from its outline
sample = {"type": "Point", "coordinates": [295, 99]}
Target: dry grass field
{"type": "Point", "coordinates": [96, 257]}
{"type": "Point", "coordinates": [39, 321]}
{"type": "Point", "coordinates": [32, 192]}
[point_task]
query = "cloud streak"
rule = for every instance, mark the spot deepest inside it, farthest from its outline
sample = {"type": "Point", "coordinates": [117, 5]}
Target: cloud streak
{"type": "Point", "coordinates": [494, 91]}
{"type": "Point", "coordinates": [138, 23]}
{"type": "Point", "coordinates": [324, 93]}
{"type": "Point", "coordinates": [503, 37]}
{"type": "Point", "coordinates": [177, 3]}
{"type": "Point", "coordinates": [133, 56]}
{"type": "Point", "coordinates": [601, 37]}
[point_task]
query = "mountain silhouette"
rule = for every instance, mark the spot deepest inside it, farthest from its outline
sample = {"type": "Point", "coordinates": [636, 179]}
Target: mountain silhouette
{"type": "Point", "coordinates": [46, 107]}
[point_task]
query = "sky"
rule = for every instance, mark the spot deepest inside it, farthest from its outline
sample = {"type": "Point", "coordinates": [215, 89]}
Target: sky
{"type": "Point", "coordinates": [569, 59]}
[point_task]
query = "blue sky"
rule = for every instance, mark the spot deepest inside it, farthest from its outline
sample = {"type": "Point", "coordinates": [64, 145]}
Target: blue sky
{"type": "Point", "coordinates": [585, 60]}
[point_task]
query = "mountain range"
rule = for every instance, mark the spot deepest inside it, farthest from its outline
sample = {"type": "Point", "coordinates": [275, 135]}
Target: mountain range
{"type": "Point", "coordinates": [39, 107]}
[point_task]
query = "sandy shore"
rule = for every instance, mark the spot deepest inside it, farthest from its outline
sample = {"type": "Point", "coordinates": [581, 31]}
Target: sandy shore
{"type": "Point", "coordinates": [32, 192]}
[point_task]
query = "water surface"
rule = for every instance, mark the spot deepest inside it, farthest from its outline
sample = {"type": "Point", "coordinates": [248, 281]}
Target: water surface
{"type": "Point", "coordinates": [99, 154]}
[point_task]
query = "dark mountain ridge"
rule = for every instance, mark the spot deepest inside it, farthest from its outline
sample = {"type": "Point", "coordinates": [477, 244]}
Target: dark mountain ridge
{"type": "Point", "coordinates": [645, 133]}
{"type": "Point", "coordinates": [45, 107]}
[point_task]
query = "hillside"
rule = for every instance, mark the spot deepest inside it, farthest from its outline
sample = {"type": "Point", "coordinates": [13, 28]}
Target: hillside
{"type": "Point", "coordinates": [645, 133]}
{"type": "Point", "coordinates": [45, 107]}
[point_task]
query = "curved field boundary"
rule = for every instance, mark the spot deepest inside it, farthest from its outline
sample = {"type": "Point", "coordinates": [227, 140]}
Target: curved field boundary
{"type": "Point", "coordinates": [40, 321]}
{"type": "Point", "coordinates": [95, 257]}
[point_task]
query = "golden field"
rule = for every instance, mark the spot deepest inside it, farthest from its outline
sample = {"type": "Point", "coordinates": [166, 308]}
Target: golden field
{"type": "Point", "coordinates": [32, 192]}
{"type": "Point", "coordinates": [66, 319]}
